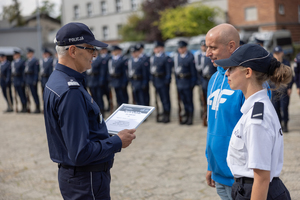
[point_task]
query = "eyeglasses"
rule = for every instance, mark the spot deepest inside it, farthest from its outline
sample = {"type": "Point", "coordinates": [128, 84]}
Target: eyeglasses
{"type": "Point", "coordinates": [91, 50]}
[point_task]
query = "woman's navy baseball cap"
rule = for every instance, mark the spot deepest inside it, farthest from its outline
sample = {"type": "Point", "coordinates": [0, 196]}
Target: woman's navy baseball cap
{"type": "Point", "coordinates": [76, 33]}
{"type": "Point", "coordinates": [248, 55]}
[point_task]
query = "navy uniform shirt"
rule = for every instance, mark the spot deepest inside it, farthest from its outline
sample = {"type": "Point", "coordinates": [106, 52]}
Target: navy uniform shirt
{"type": "Point", "coordinates": [32, 68]}
{"type": "Point", "coordinates": [5, 72]}
{"type": "Point", "coordinates": [161, 69]}
{"type": "Point", "coordinates": [76, 132]}
{"type": "Point", "coordinates": [17, 70]}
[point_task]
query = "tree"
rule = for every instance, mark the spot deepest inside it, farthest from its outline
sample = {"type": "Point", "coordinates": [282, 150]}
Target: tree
{"type": "Point", "coordinates": [187, 21]}
{"type": "Point", "coordinates": [129, 32]}
{"type": "Point", "coordinates": [151, 10]}
{"type": "Point", "coordinates": [46, 8]}
{"type": "Point", "coordinates": [12, 13]}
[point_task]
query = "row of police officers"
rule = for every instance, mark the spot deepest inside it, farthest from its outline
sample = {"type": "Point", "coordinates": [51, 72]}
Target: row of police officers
{"type": "Point", "coordinates": [113, 71]}
{"type": "Point", "coordinates": [24, 76]}
{"type": "Point", "coordinates": [117, 71]}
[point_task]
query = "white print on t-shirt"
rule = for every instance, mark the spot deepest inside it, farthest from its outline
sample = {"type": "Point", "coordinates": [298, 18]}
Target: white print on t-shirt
{"type": "Point", "coordinates": [217, 98]}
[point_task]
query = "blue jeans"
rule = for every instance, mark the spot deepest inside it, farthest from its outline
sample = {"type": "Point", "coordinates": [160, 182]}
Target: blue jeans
{"type": "Point", "coordinates": [224, 191]}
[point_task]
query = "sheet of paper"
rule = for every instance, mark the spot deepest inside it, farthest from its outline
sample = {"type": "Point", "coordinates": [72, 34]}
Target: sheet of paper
{"type": "Point", "coordinates": [127, 116]}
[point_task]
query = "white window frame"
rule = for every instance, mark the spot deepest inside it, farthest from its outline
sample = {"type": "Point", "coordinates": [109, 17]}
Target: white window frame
{"type": "Point", "coordinates": [105, 32]}
{"type": "Point", "coordinates": [103, 5]}
{"type": "Point", "coordinates": [251, 13]}
{"type": "Point", "coordinates": [76, 11]}
{"type": "Point", "coordinates": [281, 10]}
{"type": "Point", "coordinates": [89, 9]}
{"type": "Point", "coordinates": [134, 5]}
{"type": "Point", "coordinates": [118, 6]}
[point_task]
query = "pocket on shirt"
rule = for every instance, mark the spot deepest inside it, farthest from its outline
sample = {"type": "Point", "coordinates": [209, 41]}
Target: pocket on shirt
{"type": "Point", "coordinates": [238, 151]}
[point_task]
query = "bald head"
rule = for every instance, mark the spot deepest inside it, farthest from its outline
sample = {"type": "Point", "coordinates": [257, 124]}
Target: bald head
{"type": "Point", "coordinates": [224, 33]}
{"type": "Point", "coordinates": [221, 42]}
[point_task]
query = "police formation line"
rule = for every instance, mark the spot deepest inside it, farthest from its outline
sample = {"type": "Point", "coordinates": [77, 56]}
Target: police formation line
{"type": "Point", "coordinates": [111, 70]}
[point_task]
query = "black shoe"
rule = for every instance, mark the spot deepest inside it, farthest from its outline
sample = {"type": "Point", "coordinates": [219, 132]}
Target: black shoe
{"type": "Point", "coordinates": [159, 118]}
{"type": "Point", "coordinates": [186, 117]}
{"type": "Point", "coordinates": [37, 111]}
{"type": "Point", "coordinates": [166, 117]}
{"type": "Point", "coordinates": [190, 119]}
{"type": "Point", "coordinates": [285, 127]}
{"type": "Point", "coordinates": [8, 110]}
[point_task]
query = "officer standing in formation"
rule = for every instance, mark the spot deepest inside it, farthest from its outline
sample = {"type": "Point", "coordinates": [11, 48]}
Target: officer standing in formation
{"type": "Point", "coordinates": [186, 77]}
{"type": "Point", "coordinates": [104, 84]}
{"type": "Point", "coordinates": [146, 60]}
{"type": "Point", "coordinates": [281, 96]}
{"type": "Point", "coordinates": [5, 76]}
{"type": "Point", "coordinates": [138, 76]}
{"type": "Point", "coordinates": [117, 69]}
{"type": "Point", "coordinates": [32, 76]}
{"type": "Point", "coordinates": [17, 69]}
{"type": "Point", "coordinates": [160, 70]}
{"type": "Point", "coordinates": [297, 72]}
{"type": "Point", "coordinates": [205, 69]}
{"type": "Point", "coordinates": [46, 67]}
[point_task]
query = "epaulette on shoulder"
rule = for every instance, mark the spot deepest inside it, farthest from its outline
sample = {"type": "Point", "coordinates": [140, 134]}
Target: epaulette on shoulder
{"type": "Point", "coordinates": [258, 111]}
{"type": "Point", "coordinates": [72, 83]}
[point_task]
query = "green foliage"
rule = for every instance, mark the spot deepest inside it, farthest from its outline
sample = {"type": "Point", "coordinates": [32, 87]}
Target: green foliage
{"type": "Point", "coordinates": [13, 13]}
{"type": "Point", "coordinates": [187, 21]}
{"type": "Point", "coordinates": [46, 8]}
{"type": "Point", "coordinates": [129, 31]}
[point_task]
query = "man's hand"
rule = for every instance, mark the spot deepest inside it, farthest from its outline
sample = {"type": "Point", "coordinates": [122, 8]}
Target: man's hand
{"type": "Point", "coordinates": [209, 181]}
{"type": "Point", "coordinates": [126, 137]}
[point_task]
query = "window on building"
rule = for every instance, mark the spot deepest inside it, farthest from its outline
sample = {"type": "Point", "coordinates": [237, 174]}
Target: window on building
{"type": "Point", "coordinates": [299, 13]}
{"type": "Point", "coordinates": [118, 5]}
{"type": "Point", "coordinates": [89, 9]}
{"type": "Point", "coordinates": [250, 14]}
{"type": "Point", "coordinates": [119, 27]}
{"type": "Point", "coordinates": [103, 8]}
{"type": "Point", "coordinates": [133, 5]}
{"type": "Point", "coordinates": [281, 9]}
{"type": "Point", "coordinates": [76, 11]}
{"type": "Point", "coordinates": [105, 32]}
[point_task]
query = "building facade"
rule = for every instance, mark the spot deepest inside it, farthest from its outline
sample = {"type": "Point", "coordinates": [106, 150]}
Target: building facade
{"type": "Point", "coordinates": [266, 15]}
{"type": "Point", "coordinates": [106, 17]}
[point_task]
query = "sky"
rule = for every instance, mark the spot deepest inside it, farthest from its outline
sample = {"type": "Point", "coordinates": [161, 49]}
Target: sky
{"type": "Point", "coordinates": [28, 6]}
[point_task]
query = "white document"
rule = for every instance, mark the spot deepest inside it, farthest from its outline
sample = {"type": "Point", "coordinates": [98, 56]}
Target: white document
{"type": "Point", "coordinates": [127, 116]}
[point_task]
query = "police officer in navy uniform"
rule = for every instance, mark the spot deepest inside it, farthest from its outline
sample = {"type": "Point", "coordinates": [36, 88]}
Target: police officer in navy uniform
{"type": "Point", "coordinates": [17, 70]}
{"type": "Point", "coordinates": [297, 72]}
{"type": "Point", "coordinates": [146, 60]}
{"type": "Point", "coordinates": [281, 97]}
{"type": "Point", "coordinates": [161, 69]}
{"type": "Point", "coordinates": [138, 75]}
{"type": "Point", "coordinates": [5, 76]}
{"type": "Point", "coordinates": [31, 77]}
{"type": "Point", "coordinates": [117, 68]}
{"type": "Point", "coordinates": [76, 131]}
{"type": "Point", "coordinates": [104, 82]}
{"type": "Point", "coordinates": [46, 67]}
{"type": "Point", "coordinates": [205, 69]}
{"type": "Point", "coordinates": [186, 77]}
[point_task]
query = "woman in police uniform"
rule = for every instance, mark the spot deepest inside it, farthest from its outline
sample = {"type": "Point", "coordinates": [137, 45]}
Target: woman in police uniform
{"type": "Point", "coordinates": [255, 153]}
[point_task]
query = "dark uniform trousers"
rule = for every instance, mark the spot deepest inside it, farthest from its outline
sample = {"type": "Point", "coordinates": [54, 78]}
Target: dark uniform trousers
{"type": "Point", "coordinates": [241, 190]}
{"type": "Point", "coordinates": [84, 185]}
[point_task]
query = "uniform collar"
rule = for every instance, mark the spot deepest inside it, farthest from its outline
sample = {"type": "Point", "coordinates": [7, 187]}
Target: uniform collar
{"type": "Point", "coordinates": [258, 96]}
{"type": "Point", "coordinates": [70, 72]}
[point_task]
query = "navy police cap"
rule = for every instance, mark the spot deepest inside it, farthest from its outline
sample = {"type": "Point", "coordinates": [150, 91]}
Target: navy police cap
{"type": "Point", "coordinates": [158, 44]}
{"type": "Point", "coordinates": [277, 49]}
{"type": "Point", "coordinates": [16, 51]}
{"type": "Point", "coordinates": [202, 43]}
{"type": "Point", "coordinates": [182, 43]}
{"type": "Point", "coordinates": [30, 50]}
{"type": "Point", "coordinates": [259, 41]}
{"type": "Point", "coordinates": [76, 33]}
{"type": "Point", "coordinates": [2, 55]}
{"type": "Point", "coordinates": [115, 47]}
{"type": "Point", "coordinates": [135, 48]}
{"type": "Point", "coordinates": [248, 55]}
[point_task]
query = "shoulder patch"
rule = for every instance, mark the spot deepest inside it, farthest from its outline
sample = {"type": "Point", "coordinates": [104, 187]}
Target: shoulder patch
{"type": "Point", "coordinates": [72, 82]}
{"type": "Point", "coordinates": [258, 111]}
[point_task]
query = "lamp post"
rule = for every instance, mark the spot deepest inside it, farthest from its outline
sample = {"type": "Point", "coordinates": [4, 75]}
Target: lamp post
{"type": "Point", "coordinates": [39, 36]}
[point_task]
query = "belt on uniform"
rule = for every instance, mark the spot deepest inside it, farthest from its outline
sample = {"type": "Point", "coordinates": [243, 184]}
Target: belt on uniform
{"type": "Point", "coordinates": [181, 75]}
{"type": "Point", "coordinates": [115, 75]}
{"type": "Point", "coordinates": [45, 75]}
{"type": "Point", "coordinates": [136, 77]}
{"type": "Point", "coordinates": [248, 180]}
{"type": "Point", "coordinates": [102, 167]}
{"type": "Point", "coordinates": [159, 75]}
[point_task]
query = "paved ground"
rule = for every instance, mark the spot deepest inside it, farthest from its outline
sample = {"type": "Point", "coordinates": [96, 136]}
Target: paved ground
{"type": "Point", "coordinates": [165, 162]}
